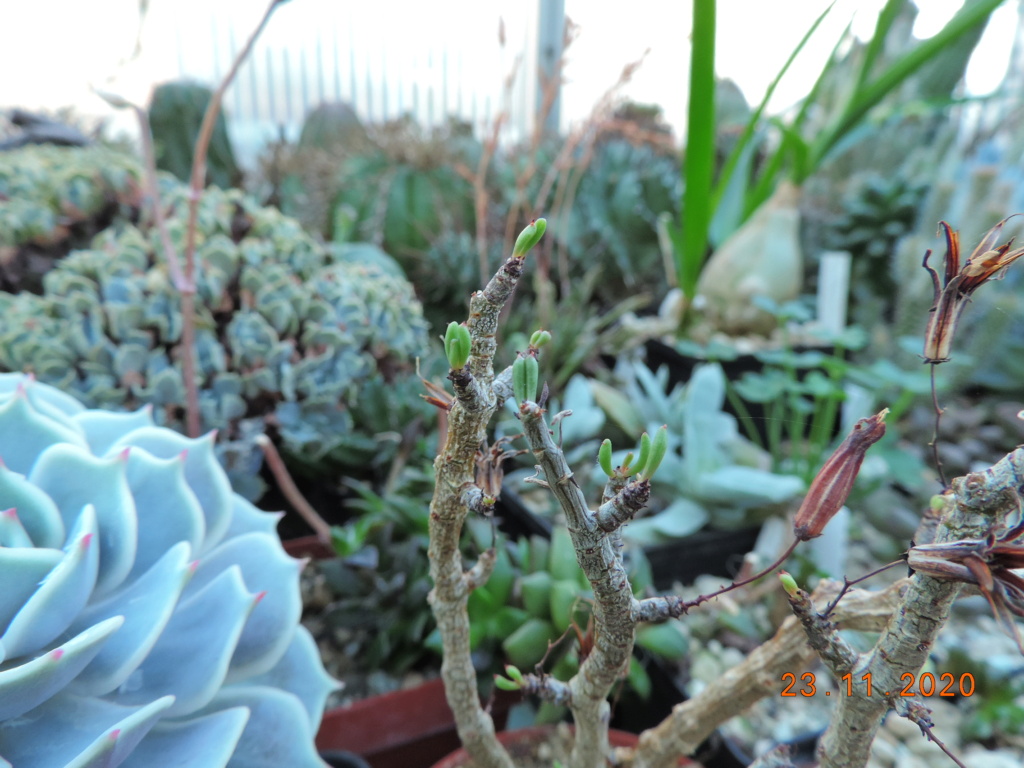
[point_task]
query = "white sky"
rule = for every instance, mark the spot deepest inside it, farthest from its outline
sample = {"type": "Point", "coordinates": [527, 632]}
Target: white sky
{"type": "Point", "coordinates": [52, 51]}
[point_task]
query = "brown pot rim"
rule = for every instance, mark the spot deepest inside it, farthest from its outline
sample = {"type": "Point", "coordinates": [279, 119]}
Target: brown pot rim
{"type": "Point", "coordinates": [459, 758]}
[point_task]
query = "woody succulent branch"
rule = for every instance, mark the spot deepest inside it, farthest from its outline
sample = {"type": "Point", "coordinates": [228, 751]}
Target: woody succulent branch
{"type": "Point", "coordinates": [976, 545]}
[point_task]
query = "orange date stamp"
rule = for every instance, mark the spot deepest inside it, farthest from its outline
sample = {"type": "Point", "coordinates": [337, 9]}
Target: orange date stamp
{"type": "Point", "coordinates": [926, 685]}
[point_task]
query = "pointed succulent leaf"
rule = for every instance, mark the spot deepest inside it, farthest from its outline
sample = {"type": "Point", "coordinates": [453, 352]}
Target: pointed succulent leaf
{"type": "Point", "coordinates": [70, 476]}
{"type": "Point", "coordinates": [25, 432]}
{"type": "Point", "coordinates": [61, 594]}
{"type": "Point", "coordinates": [271, 711]}
{"type": "Point", "coordinates": [190, 634]}
{"type": "Point", "coordinates": [246, 517]}
{"type": "Point", "coordinates": [171, 513]}
{"type": "Point", "coordinates": [104, 428]}
{"type": "Point", "coordinates": [198, 742]}
{"type": "Point", "coordinates": [37, 514]}
{"type": "Point", "coordinates": [202, 473]}
{"type": "Point", "coordinates": [12, 532]}
{"type": "Point", "coordinates": [93, 733]}
{"type": "Point", "coordinates": [28, 684]}
{"type": "Point", "coordinates": [301, 673]}
{"type": "Point", "coordinates": [23, 569]}
{"type": "Point", "coordinates": [269, 572]}
{"type": "Point", "coordinates": [48, 400]}
{"type": "Point", "coordinates": [146, 605]}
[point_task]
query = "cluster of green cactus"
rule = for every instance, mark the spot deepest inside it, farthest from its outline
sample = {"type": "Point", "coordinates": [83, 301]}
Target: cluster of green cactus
{"type": "Point", "coordinates": [286, 331]}
{"type": "Point", "coordinates": [875, 217]}
{"type": "Point", "coordinates": [176, 112]}
{"type": "Point", "coordinates": [407, 191]}
{"type": "Point", "coordinates": [50, 195]}
{"type": "Point", "coordinates": [305, 175]}
{"type": "Point", "coordinates": [612, 222]}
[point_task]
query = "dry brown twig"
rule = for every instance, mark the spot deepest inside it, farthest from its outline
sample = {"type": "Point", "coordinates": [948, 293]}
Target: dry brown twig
{"type": "Point", "coordinates": [184, 278]}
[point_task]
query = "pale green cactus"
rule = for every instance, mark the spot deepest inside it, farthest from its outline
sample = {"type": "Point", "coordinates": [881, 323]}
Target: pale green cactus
{"type": "Point", "coordinates": [149, 615]}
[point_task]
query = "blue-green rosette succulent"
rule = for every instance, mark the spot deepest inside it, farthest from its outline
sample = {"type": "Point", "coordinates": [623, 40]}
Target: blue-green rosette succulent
{"type": "Point", "coordinates": [148, 614]}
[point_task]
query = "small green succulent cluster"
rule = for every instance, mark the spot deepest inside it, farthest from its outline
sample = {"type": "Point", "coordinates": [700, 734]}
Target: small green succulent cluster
{"type": "Point", "coordinates": [536, 608]}
{"type": "Point", "coordinates": [287, 332]}
{"type": "Point", "coordinates": [375, 613]}
{"type": "Point", "coordinates": [50, 195]}
{"type": "Point", "coordinates": [875, 217]}
{"type": "Point", "coordinates": [612, 223]}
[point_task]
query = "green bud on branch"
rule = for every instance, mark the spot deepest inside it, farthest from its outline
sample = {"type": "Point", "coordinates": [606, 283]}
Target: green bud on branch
{"type": "Point", "coordinates": [540, 338]}
{"type": "Point", "coordinates": [645, 452]}
{"type": "Point", "coordinates": [525, 372]}
{"type": "Point", "coordinates": [513, 682]}
{"type": "Point", "coordinates": [658, 449]}
{"type": "Point", "coordinates": [505, 684]}
{"type": "Point", "coordinates": [604, 457]}
{"type": "Point", "coordinates": [788, 583]}
{"type": "Point", "coordinates": [529, 237]}
{"type": "Point", "coordinates": [457, 343]}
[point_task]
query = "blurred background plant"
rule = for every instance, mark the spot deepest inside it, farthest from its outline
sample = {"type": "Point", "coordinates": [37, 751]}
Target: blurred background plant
{"type": "Point", "coordinates": [53, 199]}
{"type": "Point", "coordinates": [290, 336]}
{"type": "Point", "coordinates": [176, 113]}
{"type": "Point", "coordinates": [891, 75]}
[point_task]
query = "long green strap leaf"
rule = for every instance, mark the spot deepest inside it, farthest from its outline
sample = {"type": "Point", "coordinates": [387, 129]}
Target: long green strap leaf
{"type": "Point", "coordinates": [755, 119]}
{"type": "Point", "coordinates": [886, 18]}
{"type": "Point", "coordinates": [973, 13]}
{"type": "Point", "coordinates": [695, 216]}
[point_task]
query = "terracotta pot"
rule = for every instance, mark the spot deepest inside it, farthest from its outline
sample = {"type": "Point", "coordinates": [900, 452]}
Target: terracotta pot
{"type": "Point", "coordinates": [404, 729]}
{"type": "Point", "coordinates": [308, 546]}
{"type": "Point", "coordinates": [523, 742]}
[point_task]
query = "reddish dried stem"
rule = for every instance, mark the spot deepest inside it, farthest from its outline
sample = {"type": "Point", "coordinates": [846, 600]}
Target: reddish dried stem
{"type": "Point", "coordinates": [198, 183]}
{"type": "Point", "coordinates": [291, 491]}
{"type": "Point", "coordinates": [935, 435]}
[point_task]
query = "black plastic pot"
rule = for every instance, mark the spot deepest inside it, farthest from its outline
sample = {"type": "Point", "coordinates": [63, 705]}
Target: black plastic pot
{"type": "Point", "coordinates": [680, 369]}
{"type": "Point", "coordinates": [340, 759]}
{"type": "Point", "coordinates": [717, 553]}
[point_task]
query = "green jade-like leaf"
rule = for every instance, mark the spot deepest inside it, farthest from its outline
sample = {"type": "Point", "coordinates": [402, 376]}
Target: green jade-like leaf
{"type": "Point", "coordinates": [529, 237]}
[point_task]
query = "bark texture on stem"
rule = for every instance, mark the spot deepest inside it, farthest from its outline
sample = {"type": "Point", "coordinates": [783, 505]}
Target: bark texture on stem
{"type": "Point", "coordinates": [977, 505]}
{"type": "Point", "coordinates": [758, 676]}
{"type": "Point", "coordinates": [455, 474]}
{"type": "Point", "coordinates": [614, 627]}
